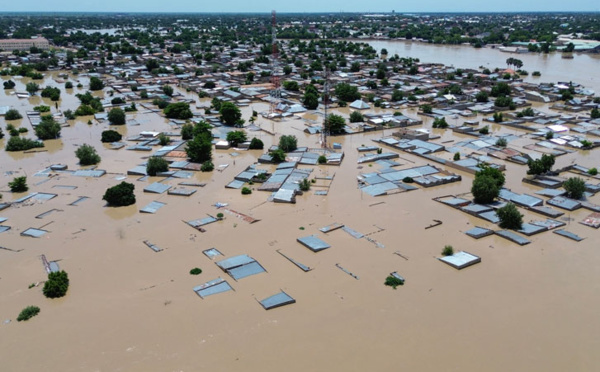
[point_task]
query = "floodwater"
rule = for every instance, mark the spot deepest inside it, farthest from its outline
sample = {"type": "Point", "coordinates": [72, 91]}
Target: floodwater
{"type": "Point", "coordinates": [553, 67]}
{"type": "Point", "coordinates": [530, 308]}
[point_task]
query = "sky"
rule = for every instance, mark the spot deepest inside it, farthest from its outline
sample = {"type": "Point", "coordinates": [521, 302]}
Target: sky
{"type": "Point", "coordinates": [308, 6]}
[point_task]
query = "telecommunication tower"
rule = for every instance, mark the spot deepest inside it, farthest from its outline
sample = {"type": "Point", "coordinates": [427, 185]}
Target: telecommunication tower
{"type": "Point", "coordinates": [326, 99]}
{"type": "Point", "coordinates": [276, 92]}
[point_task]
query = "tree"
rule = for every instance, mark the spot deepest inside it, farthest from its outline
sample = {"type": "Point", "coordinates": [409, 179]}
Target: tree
{"type": "Point", "coordinates": [179, 110]}
{"type": "Point", "coordinates": [96, 84]}
{"type": "Point", "coordinates": [22, 144]}
{"type": "Point", "coordinates": [427, 109]}
{"type": "Point", "coordinates": [9, 84]}
{"type": "Point", "coordinates": [291, 85]}
{"type": "Point", "coordinates": [397, 95]}
{"type": "Point", "coordinates": [346, 92]}
{"type": "Point", "coordinates": [167, 90]}
{"type": "Point", "coordinates": [28, 313]}
{"type": "Point", "coordinates": [256, 144]}
{"type": "Point", "coordinates": [87, 155]}
{"type": "Point", "coordinates": [335, 124]}
{"type": "Point", "coordinates": [230, 113]}
{"type": "Point", "coordinates": [120, 195]}
{"type": "Point", "coordinates": [187, 132]}
{"type": "Point", "coordinates": [199, 149]}
{"type": "Point", "coordinates": [287, 69]}
{"type": "Point", "coordinates": [116, 116]}
{"type": "Point", "coordinates": [57, 284]}
{"type": "Point", "coordinates": [481, 96]}
{"type": "Point", "coordinates": [310, 101]}
{"type": "Point", "coordinates": [12, 114]}
{"type": "Point", "coordinates": [510, 217]}
{"type": "Point", "coordinates": [111, 136]}
{"type": "Point", "coordinates": [494, 173]}
{"type": "Point", "coordinates": [540, 166]}
{"type": "Point", "coordinates": [288, 143]}
{"type": "Point", "coordinates": [356, 117]}
{"type": "Point", "coordinates": [152, 64]}
{"type": "Point", "coordinates": [52, 93]}
{"type": "Point", "coordinates": [156, 165]}
{"type": "Point", "coordinates": [500, 89]}
{"type": "Point", "coordinates": [31, 88]}
{"type": "Point", "coordinates": [68, 85]}
{"type": "Point", "coordinates": [18, 184]}
{"type": "Point", "coordinates": [236, 137]}
{"type": "Point", "coordinates": [355, 67]}
{"type": "Point", "coordinates": [47, 128]}
{"type": "Point", "coordinates": [575, 187]}
{"type": "Point", "coordinates": [484, 189]}
{"type": "Point", "coordinates": [277, 156]}
{"type": "Point", "coordinates": [207, 166]}
{"type": "Point", "coordinates": [595, 113]}
{"type": "Point", "coordinates": [440, 122]}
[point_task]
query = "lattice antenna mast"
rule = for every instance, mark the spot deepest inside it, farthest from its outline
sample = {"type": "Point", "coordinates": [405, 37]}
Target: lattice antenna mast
{"type": "Point", "coordinates": [326, 99]}
{"type": "Point", "coordinates": [276, 92]}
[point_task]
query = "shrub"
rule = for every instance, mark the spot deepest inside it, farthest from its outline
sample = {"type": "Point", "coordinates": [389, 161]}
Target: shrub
{"type": "Point", "coordinates": [304, 185]}
{"type": "Point", "coordinates": [356, 117]}
{"type": "Point", "coordinates": [22, 144]}
{"type": "Point", "coordinates": [448, 250]}
{"type": "Point", "coordinates": [586, 144]}
{"type": "Point", "coordinates": [427, 109]}
{"type": "Point", "coordinates": [457, 156]}
{"type": "Point", "coordinates": [549, 135]}
{"type": "Point", "coordinates": [69, 115]}
{"type": "Point", "coordinates": [120, 195]}
{"type": "Point", "coordinates": [111, 136]}
{"type": "Point", "coordinates": [246, 191]}
{"type": "Point", "coordinates": [167, 90]}
{"type": "Point", "coordinates": [207, 166]}
{"type": "Point", "coordinates": [196, 271]}
{"type": "Point", "coordinates": [41, 108]}
{"type": "Point", "coordinates": [408, 180]}
{"type": "Point", "coordinates": [485, 130]}
{"type": "Point", "coordinates": [256, 144]}
{"type": "Point", "coordinates": [575, 187]}
{"type": "Point", "coordinates": [160, 103]}
{"type": "Point", "coordinates": [595, 113]}
{"type": "Point", "coordinates": [220, 215]}
{"type": "Point", "coordinates": [57, 284]}
{"type": "Point", "coordinates": [18, 184]}
{"type": "Point", "coordinates": [440, 123]}
{"type": "Point", "coordinates": [12, 114]}
{"type": "Point", "coordinates": [47, 128]}
{"type": "Point", "coordinates": [156, 165]}
{"type": "Point", "coordinates": [536, 73]}
{"type": "Point", "coordinates": [87, 155]}
{"type": "Point", "coordinates": [68, 85]}
{"type": "Point", "coordinates": [28, 313]}
{"type": "Point", "coordinates": [288, 143]}
{"type": "Point", "coordinates": [498, 117]}
{"type": "Point", "coordinates": [163, 139]}
{"type": "Point", "coordinates": [592, 171]}
{"type": "Point", "coordinates": [501, 142]}
{"type": "Point", "coordinates": [322, 159]}
{"type": "Point", "coordinates": [392, 281]}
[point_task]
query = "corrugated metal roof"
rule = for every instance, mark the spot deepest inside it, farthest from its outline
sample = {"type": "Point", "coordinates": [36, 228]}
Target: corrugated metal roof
{"type": "Point", "coordinates": [277, 300]}
{"type": "Point", "coordinates": [212, 287]}
{"type": "Point", "coordinates": [313, 243]}
{"type": "Point", "coordinates": [153, 207]}
{"type": "Point", "coordinates": [157, 188]}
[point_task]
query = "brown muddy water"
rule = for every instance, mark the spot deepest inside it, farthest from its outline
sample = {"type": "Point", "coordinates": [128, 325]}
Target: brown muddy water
{"type": "Point", "coordinates": [530, 308]}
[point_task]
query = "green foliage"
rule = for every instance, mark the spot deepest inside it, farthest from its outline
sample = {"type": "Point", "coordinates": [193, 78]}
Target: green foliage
{"type": "Point", "coordinates": [440, 122]}
{"type": "Point", "coordinates": [187, 131]}
{"type": "Point", "coordinates": [207, 166]}
{"type": "Point", "coordinates": [291, 85]}
{"type": "Point", "coordinates": [57, 284]}
{"type": "Point", "coordinates": [179, 110]}
{"type": "Point", "coordinates": [116, 116]}
{"type": "Point", "coordinates": [503, 102]}
{"type": "Point", "coordinates": [456, 156]}
{"type": "Point", "coordinates": [540, 166]}
{"type": "Point", "coordinates": [586, 144]}
{"type": "Point", "coordinates": [161, 103]}
{"type": "Point", "coordinates": [69, 115]}
{"type": "Point", "coordinates": [52, 93]}
{"type": "Point", "coordinates": [481, 97]}
{"type": "Point", "coordinates": [322, 159]}
{"type": "Point", "coordinates": [427, 109]}
{"type": "Point", "coordinates": [230, 113]}
{"type": "Point", "coordinates": [199, 149]}
{"type": "Point", "coordinates": [501, 142]}
{"type": "Point", "coordinates": [484, 189]}
{"type": "Point", "coordinates": [28, 313]}
{"type": "Point", "coordinates": [356, 117]}
{"type": "Point", "coordinates": [246, 191]}
{"type": "Point", "coordinates": [448, 250]}
{"type": "Point", "coordinates": [392, 281]}
{"type": "Point", "coordinates": [9, 84]}
{"type": "Point", "coordinates": [120, 195]}
{"type": "Point", "coordinates": [22, 144]}
{"type": "Point", "coordinates": [592, 171]}
{"type": "Point", "coordinates": [288, 143]}
{"type": "Point", "coordinates": [500, 89]}
{"type": "Point", "coordinates": [236, 137]}
{"type": "Point", "coordinates": [87, 155]}
{"type": "Point", "coordinates": [156, 165]}
{"type": "Point", "coordinates": [12, 114]}
{"type": "Point", "coordinates": [510, 217]}
{"type": "Point", "coordinates": [549, 135]}
{"type": "Point", "coordinates": [536, 73]}
{"type": "Point", "coordinates": [47, 128]}
{"type": "Point", "coordinates": [277, 156]}
{"type": "Point", "coordinates": [31, 88]}
{"type": "Point", "coordinates": [595, 113]}
{"type": "Point", "coordinates": [18, 184]}
{"type": "Point", "coordinates": [397, 95]}
{"type": "Point", "coordinates": [41, 108]}
{"type": "Point", "coordinates": [84, 110]}
{"type": "Point", "coordinates": [575, 187]}
{"type": "Point", "coordinates": [256, 144]}
{"type": "Point", "coordinates": [408, 180]}
{"type": "Point", "coordinates": [498, 117]}
{"type": "Point", "coordinates": [346, 92]}
{"type": "Point", "coordinates": [68, 85]}
{"type": "Point", "coordinates": [163, 139]}
{"type": "Point", "coordinates": [96, 84]}
{"type": "Point", "coordinates": [167, 90]}
{"type": "Point", "coordinates": [111, 136]}
{"type": "Point", "coordinates": [485, 130]}
{"type": "Point", "coordinates": [196, 271]}
{"type": "Point", "coordinates": [304, 185]}
{"type": "Point", "coordinates": [335, 124]}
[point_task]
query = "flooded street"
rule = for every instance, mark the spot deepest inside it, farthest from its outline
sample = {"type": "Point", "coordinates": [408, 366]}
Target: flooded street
{"type": "Point", "coordinates": [523, 308]}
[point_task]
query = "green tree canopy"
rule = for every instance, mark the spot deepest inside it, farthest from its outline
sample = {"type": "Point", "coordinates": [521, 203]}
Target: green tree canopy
{"type": "Point", "coordinates": [179, 110]}
{"type": "Point", "coordinates": [116, 116]}
{"type": "Point", "coordinates": [230, 113]}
